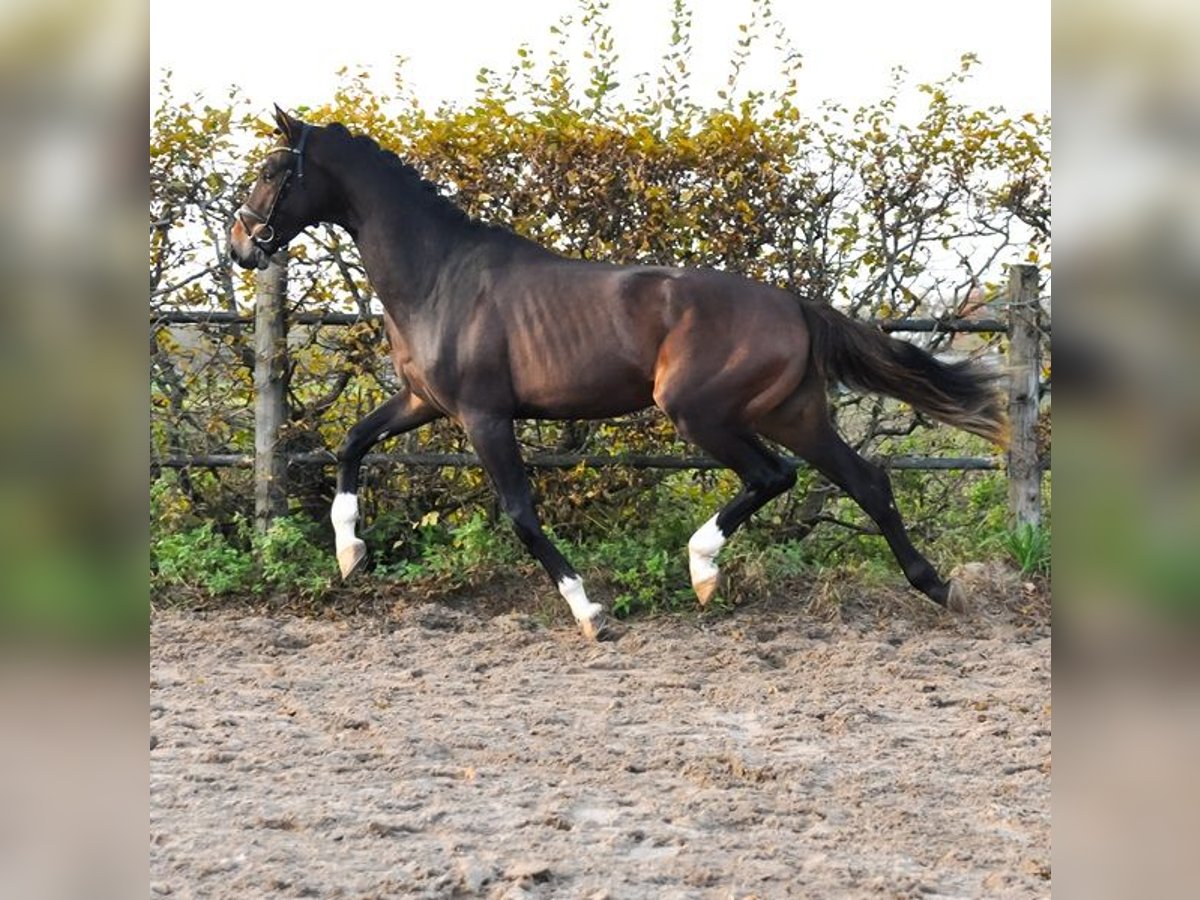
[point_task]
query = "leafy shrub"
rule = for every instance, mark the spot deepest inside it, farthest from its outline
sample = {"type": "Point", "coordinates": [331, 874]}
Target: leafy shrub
{"type": "Point", "coordinates": [451, 549]}
{"type": "Point", "coordinates": [638, 563]}
{"type": "Point", "coordinates": [202, 558]}
{"type": "Point", "coordinates": [1029, 547]}
{"type": "Point", "coordinates": [289, 558]}
{"type": "Point", "coordinates": [805, 199]}
{"type": "Point", "coordinates": [646, 578]}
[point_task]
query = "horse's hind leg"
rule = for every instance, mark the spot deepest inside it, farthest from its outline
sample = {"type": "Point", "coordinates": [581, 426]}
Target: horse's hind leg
{"type": "Point", "coordinates": [811, 435]}
{"type": "Point", "coordinates": [399, 414]}
{"type": "Point", "coordinates": [495, 443]}
{"type": "Point", "coordinates": [764, 476]}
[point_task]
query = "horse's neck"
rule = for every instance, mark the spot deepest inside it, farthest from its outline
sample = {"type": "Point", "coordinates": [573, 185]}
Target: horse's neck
{"type": "Point", "coordinates": [402, 243]}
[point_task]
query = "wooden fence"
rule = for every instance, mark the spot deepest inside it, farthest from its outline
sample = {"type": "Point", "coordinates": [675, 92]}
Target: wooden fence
{"type": "Point", "coordinates": [1022, 462]}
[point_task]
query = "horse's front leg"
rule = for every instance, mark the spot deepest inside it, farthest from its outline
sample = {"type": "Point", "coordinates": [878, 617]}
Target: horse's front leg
{"type": "Point", "coordinates": [496, 445]}
{"type": "Point", "coordinates": [401, 413]}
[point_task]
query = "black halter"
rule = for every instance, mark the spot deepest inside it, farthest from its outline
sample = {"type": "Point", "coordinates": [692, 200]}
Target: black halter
{"type": "Point", "coordinates": [265, 233]}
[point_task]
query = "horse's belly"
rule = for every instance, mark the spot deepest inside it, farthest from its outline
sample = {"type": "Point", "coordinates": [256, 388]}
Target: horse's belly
{"type": "Point", "coordinates": [582, 393]}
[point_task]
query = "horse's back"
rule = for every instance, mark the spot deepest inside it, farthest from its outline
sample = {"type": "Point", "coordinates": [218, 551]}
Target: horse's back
{"type": "Point", "coordinates": [592, 339]}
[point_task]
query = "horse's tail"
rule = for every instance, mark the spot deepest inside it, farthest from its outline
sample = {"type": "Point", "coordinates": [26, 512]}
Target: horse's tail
{"type": "Point", "coordinates": [964, 394]}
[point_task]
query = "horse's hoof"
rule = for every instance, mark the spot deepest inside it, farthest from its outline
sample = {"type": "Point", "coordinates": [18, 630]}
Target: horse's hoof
{"type": "Point", "coordinates": [706, 589]}
{"type": "Point", "coordinates": [957, 600]}
{"type": "Point", "coordinates": [351, 557]}
{"type": "Point", "coordinates": [594, 626]}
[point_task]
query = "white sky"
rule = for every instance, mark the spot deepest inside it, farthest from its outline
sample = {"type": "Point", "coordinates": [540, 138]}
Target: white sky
{"type": "Point", "coordinates": [288, 53]}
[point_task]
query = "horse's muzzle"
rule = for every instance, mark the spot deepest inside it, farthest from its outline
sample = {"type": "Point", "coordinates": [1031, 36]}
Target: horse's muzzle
{"type": "Point", "coordinates": [244, 251]}
{"type": "Point", "coordinates": [253, 258]}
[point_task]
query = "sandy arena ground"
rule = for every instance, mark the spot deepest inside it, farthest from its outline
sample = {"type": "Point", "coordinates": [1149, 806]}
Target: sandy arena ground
{"type": "Point", "coordinates": [444, 750]}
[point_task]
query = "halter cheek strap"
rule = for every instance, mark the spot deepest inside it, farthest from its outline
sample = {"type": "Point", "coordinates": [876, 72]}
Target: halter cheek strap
{"type": "Point", "coordinates": [299, 151]}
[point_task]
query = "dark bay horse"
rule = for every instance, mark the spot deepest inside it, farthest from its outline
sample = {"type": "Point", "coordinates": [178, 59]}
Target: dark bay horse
{"type": "Point", "coordinates": [486, 327]}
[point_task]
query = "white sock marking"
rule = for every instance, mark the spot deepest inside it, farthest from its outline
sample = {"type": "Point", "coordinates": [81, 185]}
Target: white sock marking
{"type": "Point", "coordinates": [703, 548]}
{"type": "Point", "coordinates": [344, 514]}
{"type": "Point", "coordinates": [581, 608]}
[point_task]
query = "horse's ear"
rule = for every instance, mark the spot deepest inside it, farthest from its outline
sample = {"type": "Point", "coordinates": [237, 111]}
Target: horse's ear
{"type": "Point", "coordinates": [288, 126]}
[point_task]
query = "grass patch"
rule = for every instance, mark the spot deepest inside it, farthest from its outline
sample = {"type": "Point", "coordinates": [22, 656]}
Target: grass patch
{"type": "Point", "coordinates": [1028, 546]}
{"type": "Point", "coordinates": [216, 563]}
{"type": "Point", "coordinates": [632, 557]}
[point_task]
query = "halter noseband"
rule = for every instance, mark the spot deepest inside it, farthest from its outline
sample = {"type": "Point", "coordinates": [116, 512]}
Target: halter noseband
{"type": "Point", "coordinates": [265, 233]}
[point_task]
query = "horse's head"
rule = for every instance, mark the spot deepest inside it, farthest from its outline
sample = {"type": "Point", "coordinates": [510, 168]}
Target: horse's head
{"type": "Point", "coordinates": [287, 197]}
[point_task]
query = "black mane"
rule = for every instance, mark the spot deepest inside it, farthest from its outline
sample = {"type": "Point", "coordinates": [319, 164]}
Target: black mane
{"type": "Point", "coordinates": [428, 193]}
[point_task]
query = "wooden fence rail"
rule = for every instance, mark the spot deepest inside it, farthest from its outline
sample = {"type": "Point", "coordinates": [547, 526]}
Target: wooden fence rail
{"type": "Point", "coordinates": [270, 464]}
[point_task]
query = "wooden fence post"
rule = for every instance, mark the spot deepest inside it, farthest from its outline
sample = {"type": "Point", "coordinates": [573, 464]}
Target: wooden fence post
{"type": "Point", "coordinates": [1025, 366]}
{"type": "Point", "coordinates": [270, 391]}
